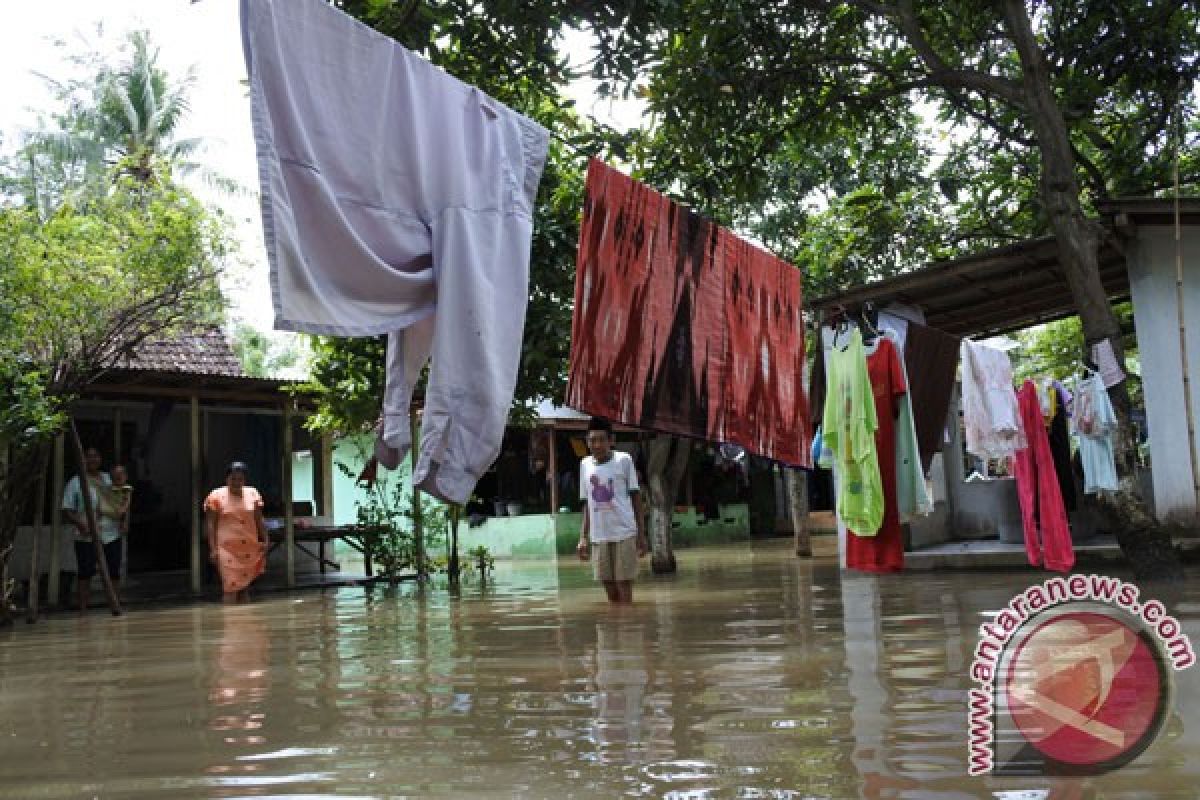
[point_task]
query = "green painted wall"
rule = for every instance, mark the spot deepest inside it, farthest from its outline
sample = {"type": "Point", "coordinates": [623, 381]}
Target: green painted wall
{"type": "Point", "coordinates": [688, 528]}
{"type": "Point", "coordinates": [302, 479]}
{"type": "Point", "coordinates": [530, 536]}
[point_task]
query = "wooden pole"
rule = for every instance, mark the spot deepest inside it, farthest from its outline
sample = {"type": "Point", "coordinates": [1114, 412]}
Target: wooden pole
{"type": "Point", "coordinates": [552, 466]}
{"type": "Point", "coordinates": [796, 482]}
{"type": "Point", "coordinates": [418, 523]}
{"type": "Point", "coordinates": [328, 476]}
{"type": "Point", "coordinates": [195, 452]}
{"type": "Point", "coordinates": [39, 508]}
{"type": "Point", "coordinates": [452, 568]}
{"type": "Point", "coordinates": [289, 520]}
{"type": "Point", "coordinates": [53, 586]}
{"type": "Point", "coordinates": [118, 460]}
{"type": "Point", "coordinates": [85, 491]}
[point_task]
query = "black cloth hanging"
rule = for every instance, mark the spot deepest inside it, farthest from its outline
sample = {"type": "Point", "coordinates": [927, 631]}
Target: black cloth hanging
{"type": "Point", "coordinates": [931, 358]}
{"type": "Point", "coordinates": [1060, 450]}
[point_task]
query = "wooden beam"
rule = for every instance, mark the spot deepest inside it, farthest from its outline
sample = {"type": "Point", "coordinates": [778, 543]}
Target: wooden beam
{"type": "Point", "coordinates": [155, 392]}
{"type": "Point", "coordinates": [289, 519]}
{"type": "Point", "coordinates": [53, 587]}
{"type": "Point", "coordinates": [194, 452]}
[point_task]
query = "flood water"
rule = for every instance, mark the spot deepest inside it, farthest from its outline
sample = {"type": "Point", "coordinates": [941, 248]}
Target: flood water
{"type": "Point", "coordinates": [749, 674]}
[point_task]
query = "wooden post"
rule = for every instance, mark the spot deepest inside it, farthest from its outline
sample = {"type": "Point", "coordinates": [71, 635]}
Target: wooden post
{"type": "Point", "coordinates": [289, 521]}
{"type": "Point", "coordinates": [116, 435]}
{"type": "Point", "coordinates": [418, 525]}
{"type": "Point", "coordinates": [85, 492]}
{"type": "Point", "coordinates": [796, 482]}
{"type": "Point", "coordinates": [39, 509]}
{"type": "Point", "coordinates": [53, 587]}
{"type": "Point", "coordinates": [195, 451]}
{"type": "Point", "coordinates": [552, 466]}
{"type": "Point", "coordinates": [117, 460]}
{"type": "Point", "coordinates": [452, 568]}
{"type": "Point", "coordinates": [328, 476]}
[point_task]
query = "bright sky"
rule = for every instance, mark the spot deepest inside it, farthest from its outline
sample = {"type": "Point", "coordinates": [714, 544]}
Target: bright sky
{"type": "Point", "coordinates": [203, 35]}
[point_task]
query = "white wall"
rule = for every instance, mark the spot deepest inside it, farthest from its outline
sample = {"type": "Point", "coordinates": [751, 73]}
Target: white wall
{"type": "Point", "coordinates": [1152, 281]}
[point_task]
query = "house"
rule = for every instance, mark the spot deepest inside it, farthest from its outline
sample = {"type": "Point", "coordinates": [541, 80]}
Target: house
{"type": "Point", "coordinates": [1014, 287]}
{"type": "Point", "coordinates": [176, 413]}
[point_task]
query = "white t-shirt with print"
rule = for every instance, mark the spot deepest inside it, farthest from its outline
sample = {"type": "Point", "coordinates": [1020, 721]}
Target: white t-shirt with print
{"type": "Point", "coordinates": [606, 488]}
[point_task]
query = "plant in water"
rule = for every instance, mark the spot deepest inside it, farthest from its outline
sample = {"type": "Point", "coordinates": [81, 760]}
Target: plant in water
{"type": "Point", "coordinates": [483, 562]}
{"type": "Point", "coordinates": [390, 523]}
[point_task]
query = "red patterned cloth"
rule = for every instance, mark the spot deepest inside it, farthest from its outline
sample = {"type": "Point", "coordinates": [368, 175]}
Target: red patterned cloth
{"type": "Point", "coordinates": [682, 327]}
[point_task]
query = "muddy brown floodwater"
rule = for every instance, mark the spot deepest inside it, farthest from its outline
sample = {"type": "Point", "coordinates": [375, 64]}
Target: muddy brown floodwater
{"type": "Point", "coordinates": [749, 674]}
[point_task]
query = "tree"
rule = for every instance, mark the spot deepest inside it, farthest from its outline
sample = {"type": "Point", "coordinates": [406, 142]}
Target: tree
{"type": "Point", "coordinates": [260, 355]}
{"type": "Point", "coordinates": [1078, 95]}
{"type": "Point", "coordinates": [100, 250]}
{"type": "Point", "coordinates": [117, 119]}
{"type": "Point", "coordinates": [80, 290]}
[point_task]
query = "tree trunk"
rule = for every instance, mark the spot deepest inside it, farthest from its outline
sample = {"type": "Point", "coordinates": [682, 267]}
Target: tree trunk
{"type": "Point", "coordinates": [18, 474]}
{"type": "Point", "coordinates": [39, 503]}
{"type": "Point", "coordinates": [667, 460]}
{"type": "Point", "coordinates": [796, 481]}
{"type": "Point", "coordinates": [1150, 552]}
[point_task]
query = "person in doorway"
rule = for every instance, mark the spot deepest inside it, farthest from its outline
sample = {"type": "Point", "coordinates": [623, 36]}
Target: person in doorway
{"type": "Point", "coordinates": [237, 533]}
{"type": "Point", "coordinates": [108, 526]}
{"type": "Point", "coordinates": [613, 534]}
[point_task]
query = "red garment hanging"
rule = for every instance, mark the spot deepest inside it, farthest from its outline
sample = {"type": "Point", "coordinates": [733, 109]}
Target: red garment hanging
{"type": "Point", "coordinates": [1043, 514]}
{"type": "Point", "coordinates": [883, 552]}
{"type": "Point", "coordinates": [682, 327]}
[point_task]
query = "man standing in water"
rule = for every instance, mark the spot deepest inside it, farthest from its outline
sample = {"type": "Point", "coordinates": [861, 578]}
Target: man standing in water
{"type": "Point", "coordinates": [613, 534]}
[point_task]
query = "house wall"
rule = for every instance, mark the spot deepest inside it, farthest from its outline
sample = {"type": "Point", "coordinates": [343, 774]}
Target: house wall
{"type": "Point", "coordinates": [1151, 261]}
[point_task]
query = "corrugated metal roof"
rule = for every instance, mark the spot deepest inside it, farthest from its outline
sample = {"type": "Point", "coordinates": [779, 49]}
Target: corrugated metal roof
{"type": "Point", "coordinates": [989, 293]}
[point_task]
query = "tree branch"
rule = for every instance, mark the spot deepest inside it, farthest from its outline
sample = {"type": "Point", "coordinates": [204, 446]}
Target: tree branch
{"type": "Point", "coordinates": [1095, 176]}
{"type": "Point", "coordinates": [904, 16]}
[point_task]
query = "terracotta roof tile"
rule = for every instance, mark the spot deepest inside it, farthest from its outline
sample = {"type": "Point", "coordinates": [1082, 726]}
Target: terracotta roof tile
{"type": "Point", "coordinates": [202, 352]}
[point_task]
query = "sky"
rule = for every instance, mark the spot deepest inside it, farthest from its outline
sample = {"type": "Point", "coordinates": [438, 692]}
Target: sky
{"type": "Point", "coordinates": [202, 35]}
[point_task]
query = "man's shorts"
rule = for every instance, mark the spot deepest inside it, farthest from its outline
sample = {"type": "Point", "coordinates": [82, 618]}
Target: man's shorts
{"type": "Point", "coordinates": [615, 561]}
{"type": "Point", "coordinates": [85, 558]}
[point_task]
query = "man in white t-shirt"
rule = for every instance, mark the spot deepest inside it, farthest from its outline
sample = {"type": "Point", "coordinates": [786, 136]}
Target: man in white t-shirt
{"type": "Point", "coordinates": [613, 534]}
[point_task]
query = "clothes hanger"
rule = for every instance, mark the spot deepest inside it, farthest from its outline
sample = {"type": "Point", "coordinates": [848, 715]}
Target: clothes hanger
{"type": "Point", "coordinates": [870, 330]}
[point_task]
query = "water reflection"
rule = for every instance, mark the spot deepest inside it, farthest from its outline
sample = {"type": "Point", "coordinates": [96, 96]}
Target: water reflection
{"type": "Point", "coordinates": [239, 693]}
{"type": "Point", "coordinates": [620, 676]}
{"type": "Point", "coordinates": [748, 674]}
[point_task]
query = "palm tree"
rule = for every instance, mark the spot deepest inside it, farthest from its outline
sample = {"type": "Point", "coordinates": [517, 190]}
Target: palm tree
{"type": "Point", "coordinates": [123, 119]}
{"type": "Point", "coordinates": [138, 110]}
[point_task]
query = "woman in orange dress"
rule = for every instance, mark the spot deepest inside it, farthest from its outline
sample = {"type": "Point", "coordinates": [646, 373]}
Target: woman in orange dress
{"type": "Point", "coordinates": [237, 533]}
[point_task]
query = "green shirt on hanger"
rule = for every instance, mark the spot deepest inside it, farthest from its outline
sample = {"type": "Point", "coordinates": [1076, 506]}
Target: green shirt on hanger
{"type": "Point", "coordinates": [848, 428]}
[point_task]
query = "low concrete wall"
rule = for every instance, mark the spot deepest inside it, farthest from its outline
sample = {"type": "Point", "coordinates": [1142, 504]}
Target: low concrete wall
{"type": "Point", "coordinates": [689, 528]}
{"type": "Point", "coordinates": [988, 510]}
{"type": "Point", "coordinates": [530, 536]}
